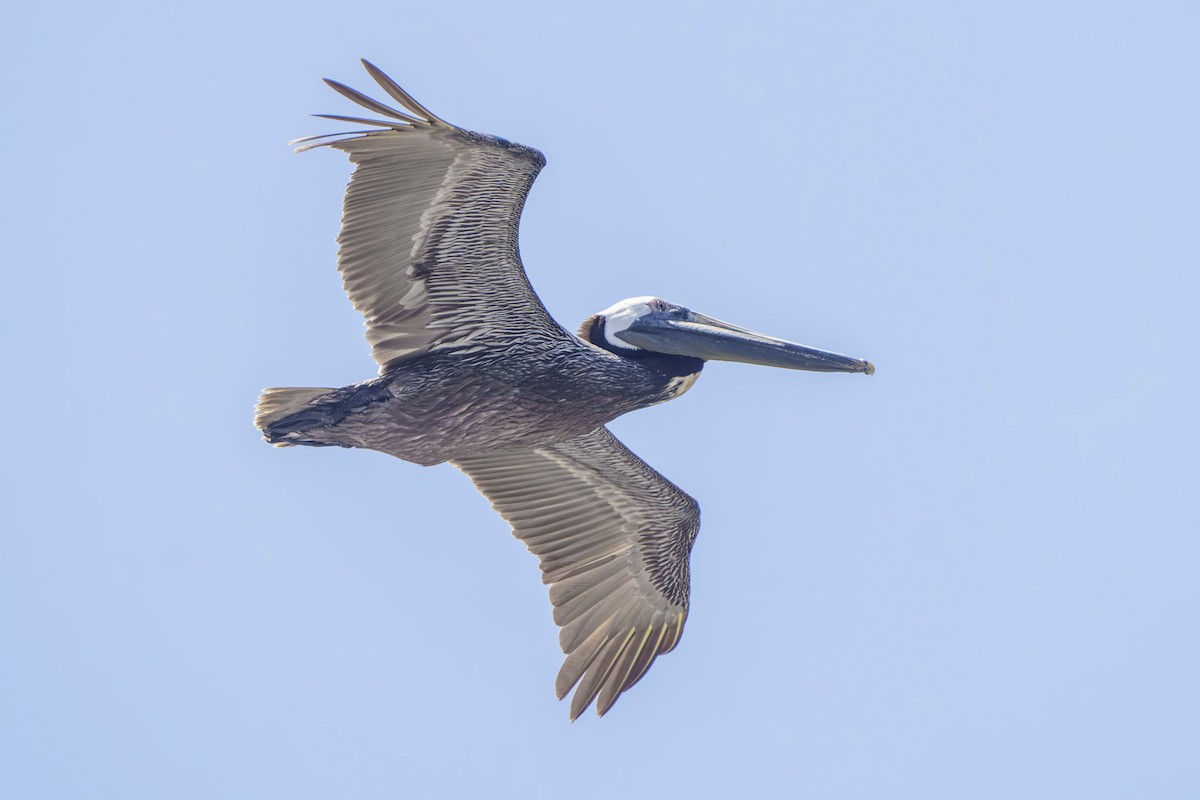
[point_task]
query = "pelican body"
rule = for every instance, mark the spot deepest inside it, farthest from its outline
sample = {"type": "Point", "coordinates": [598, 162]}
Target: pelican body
{"type": "Point", "coordinates": [475, 372]}
{"type": "Point", "coordinates": [446, 406]}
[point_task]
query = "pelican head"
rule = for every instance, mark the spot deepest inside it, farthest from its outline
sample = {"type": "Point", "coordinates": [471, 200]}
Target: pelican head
{"type": "Point", "coordinates": [650, 325]}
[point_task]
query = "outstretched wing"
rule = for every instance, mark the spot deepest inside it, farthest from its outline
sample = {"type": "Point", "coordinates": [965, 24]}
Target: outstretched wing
{"type": "Point", "coordinates": [613, 537]}
{"type": "Point", "coordinates": [429, 231]}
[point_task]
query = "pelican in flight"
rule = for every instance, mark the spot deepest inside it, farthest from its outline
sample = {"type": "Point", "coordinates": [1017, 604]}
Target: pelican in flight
{"type": "Point", "coordinates": [474, 371]}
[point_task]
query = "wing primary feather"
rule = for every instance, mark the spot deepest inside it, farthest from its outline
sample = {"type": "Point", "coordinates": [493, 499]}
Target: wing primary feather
{"type": "Point", "coordinates": [566, 589]}
{"type": "Point", "coordinates": [616, 682]}
{"type": "Point", "coordinates": [362, 120]}
{"type": "Point", "coordinates": [645, 659]}
{"type": "Point", "coordinates": [374, 105]}
{"type": "Point", "coordinates": [309, 142]}
{"type": "Point", "coordinates": [399, 95]}
{"type": "Point", "coordinates": [565, 611]}
{"type": "Point", "coordinates": [612, 576]}
{"type": "Point", "coordinates": [580, 658]}
{"type": "Point", "coordinates": [598, 672]}
{"type": "Point", "coordinates": [574, 633]}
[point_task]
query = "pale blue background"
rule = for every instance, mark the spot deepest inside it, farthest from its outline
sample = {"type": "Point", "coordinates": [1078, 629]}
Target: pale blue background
{"type": "Point", "coordinates": [971, 576]}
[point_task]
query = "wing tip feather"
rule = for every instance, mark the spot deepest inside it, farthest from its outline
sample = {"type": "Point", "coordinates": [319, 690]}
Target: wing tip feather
{"type": "Point", "coordinates": [397, 93]}
{"type": "Point", "coordinates": [368, 102]}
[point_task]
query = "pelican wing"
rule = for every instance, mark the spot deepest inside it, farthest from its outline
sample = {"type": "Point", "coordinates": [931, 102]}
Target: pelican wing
{"type": "Point", "coordinates": [613, 537]}
{"type": "Point", "coordinates": [428, 246]}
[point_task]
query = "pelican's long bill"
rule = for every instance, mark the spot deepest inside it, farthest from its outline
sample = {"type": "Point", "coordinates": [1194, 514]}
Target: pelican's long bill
{"type": "Point", "coordinates": [713, 340]}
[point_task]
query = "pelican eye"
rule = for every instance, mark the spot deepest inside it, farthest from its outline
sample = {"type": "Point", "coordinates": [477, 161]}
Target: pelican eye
{"type": "Point", "coordinates": [659, 305]}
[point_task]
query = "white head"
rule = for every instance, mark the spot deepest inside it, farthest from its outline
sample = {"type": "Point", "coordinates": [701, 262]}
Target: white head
{"type": "Point", "coordinates": [620, 316]}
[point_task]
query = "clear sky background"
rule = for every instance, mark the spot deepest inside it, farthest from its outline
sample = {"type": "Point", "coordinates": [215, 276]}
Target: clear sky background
{"type": "Point", "coordinates": [973, 575]}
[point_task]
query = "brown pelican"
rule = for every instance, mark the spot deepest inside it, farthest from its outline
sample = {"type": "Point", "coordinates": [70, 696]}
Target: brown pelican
{"type": "Point", "coordinates": [474, 371]}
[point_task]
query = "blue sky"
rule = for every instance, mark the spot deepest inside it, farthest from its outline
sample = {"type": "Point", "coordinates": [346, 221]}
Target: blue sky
{"type": "Point", "coordinates": [972, 575]}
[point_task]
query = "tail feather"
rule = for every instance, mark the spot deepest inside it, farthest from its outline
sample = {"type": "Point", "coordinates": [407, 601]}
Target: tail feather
{"type": "Point", "coordinates": [275, 404]}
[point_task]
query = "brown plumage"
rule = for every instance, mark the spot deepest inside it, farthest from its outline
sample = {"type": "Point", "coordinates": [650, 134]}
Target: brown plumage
{"type": "Point", "coordinates": [474, 371]}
